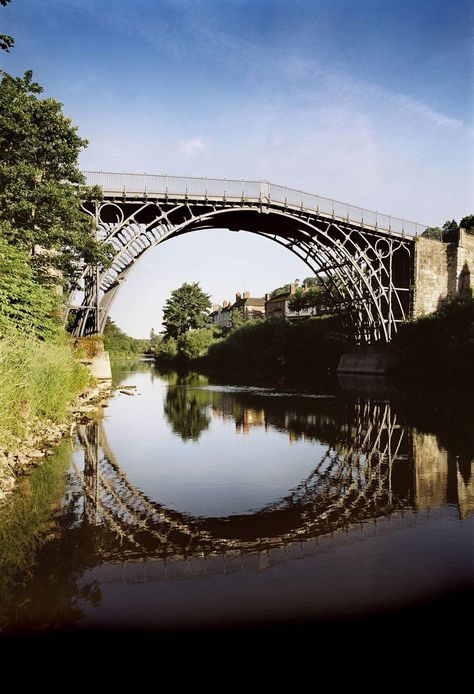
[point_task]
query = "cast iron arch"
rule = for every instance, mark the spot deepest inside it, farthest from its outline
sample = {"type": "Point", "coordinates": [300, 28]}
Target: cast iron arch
{"type": "Point", "coordinates": [366, 268]}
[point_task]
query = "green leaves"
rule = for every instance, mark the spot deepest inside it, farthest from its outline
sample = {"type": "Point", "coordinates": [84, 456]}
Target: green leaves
{"type": "Point", "coordinates": [41, 186]}
{"type": "Point", "coordinates": [6, 42]}
{"type": "Point", "coordinates": [25, 304]}
{"type": "Point", "coordinates": [118, 342]}
{"type": "Point", "coordinates": [186, 309]}
{"type": "Point", "coordinates": [313, 297]}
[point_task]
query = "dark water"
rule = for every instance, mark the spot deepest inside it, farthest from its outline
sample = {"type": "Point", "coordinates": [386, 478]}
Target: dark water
{"type": "Point", "coordinates": [200, 504]}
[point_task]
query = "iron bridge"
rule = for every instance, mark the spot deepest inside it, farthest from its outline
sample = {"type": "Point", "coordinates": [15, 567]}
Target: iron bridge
{"type": "Point", "coordinates": [364, 259]}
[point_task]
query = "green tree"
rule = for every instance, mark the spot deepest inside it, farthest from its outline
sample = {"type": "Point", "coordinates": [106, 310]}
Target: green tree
{"type": "Point", "coordinates": [196, 343]}
{"type": "Point", "coordinates": [236, 319]}
{"type": "Point", "coordinates": [467, 223]}
{"type": "Point", "coordinates": [6, 42]}
{"type": "Point", "coordinates": [118, 342]}
{"type": "Point", "coordinates": [25, 304]}
{"type": "Point", "coordinates": [316, 296]}
{"type": "Point", "coordinates": [434, 233]}
{"type": "Point", "coordinates": [186, 309]}
{"type": "Point", "coordinates": [155, 339]}
{"type": "Point", "coordinates": [40, 182]}
{"type": "Point", "coordinates": [450, 227]}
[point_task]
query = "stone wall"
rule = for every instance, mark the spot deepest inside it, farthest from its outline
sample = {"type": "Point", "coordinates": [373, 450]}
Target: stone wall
{"type": "Point", "coordinates": [431, 471]}
{"type": "Point", "coordinates": [441, 270]}
{"type": "Point", "coordinates": [431, 275]}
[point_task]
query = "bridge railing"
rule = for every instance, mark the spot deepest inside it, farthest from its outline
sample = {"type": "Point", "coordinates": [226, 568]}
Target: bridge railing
{"type": "Point", "coordinates": [241, 189]}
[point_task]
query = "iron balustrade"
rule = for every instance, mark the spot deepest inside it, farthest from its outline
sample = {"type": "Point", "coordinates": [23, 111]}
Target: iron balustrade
{"type": "Point", "coordinates": [122, 184]}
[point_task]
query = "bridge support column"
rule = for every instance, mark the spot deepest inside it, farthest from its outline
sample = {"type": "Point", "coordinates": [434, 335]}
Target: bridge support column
{"type": "Point", "coordinates": [87, 319]}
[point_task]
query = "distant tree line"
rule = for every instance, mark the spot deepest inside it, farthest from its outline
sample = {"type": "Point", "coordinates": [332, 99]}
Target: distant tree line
{"type": "Point", "coordinates": [450, 228]}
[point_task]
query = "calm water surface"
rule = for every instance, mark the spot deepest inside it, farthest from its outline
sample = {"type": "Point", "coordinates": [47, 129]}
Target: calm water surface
{"type": "Point", "coordinates": [195, 503]}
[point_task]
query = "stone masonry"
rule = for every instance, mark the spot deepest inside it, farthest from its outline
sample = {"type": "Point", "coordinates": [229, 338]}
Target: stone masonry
{"type": "Point", "coordinates": [441, 270]}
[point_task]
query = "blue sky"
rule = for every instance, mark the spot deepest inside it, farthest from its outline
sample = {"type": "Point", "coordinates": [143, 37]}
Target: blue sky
{"type": "Point", "coordinates": [367, 101]}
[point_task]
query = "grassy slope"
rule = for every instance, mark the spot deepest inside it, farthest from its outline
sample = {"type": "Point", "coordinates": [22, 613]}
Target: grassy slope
{"type": "Point", "coordinates": [37, 379]}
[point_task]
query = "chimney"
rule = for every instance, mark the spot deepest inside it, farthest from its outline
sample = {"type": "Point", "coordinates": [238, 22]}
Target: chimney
{"type": "Point", "coordinates": [292, 288]}
{"type": "Point", "coordinates": [246, 295]}
{"type": "Point", "coordinates": [238, 296]}
{"type": "Point", "coordinates": [267, 297]}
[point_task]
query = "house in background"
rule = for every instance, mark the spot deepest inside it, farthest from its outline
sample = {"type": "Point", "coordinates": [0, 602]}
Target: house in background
{"type": "Point", "coordinates": [276, 304]}
{"type": "Point", "coordinates": [248, 307]}
{"type": "Point", "coordinates": [221, 316]}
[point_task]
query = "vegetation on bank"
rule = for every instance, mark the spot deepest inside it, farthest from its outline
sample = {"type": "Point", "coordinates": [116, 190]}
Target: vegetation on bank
{"type": "Point", "coordinates": [278, 347]}
{"type": "Point", "coordinates": [119, 344]}
{"type": "Point", "coordinates": [450, 228]}
{"type": "Point", "coordinates": [44, 236]}
{"type": "Point", "coordinates": [273, 347]}
{"type": "Point", "coordinates": [37, 379]}
{"type": "Point", "coordinates": [438, 349]}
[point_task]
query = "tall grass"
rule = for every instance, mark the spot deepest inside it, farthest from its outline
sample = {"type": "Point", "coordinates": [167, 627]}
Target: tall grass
{"type": "Point", "coordinates": [37, 379]}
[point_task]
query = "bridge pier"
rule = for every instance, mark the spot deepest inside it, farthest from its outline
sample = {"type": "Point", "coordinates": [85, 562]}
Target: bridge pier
{"type": "Point", "coordinates": [97, 358]}
{"type": "Point", "coordinates": [441, 271]}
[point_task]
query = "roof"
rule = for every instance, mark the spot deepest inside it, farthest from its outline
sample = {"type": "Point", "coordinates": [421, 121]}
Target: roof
{"type": "Point", "coordinates": [249, 300]}
{"type": "Point", "coordinates": [279, 297]}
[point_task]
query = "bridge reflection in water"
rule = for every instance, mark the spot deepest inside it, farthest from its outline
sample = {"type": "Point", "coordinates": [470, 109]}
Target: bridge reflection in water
{"type": "Point", "coordinates": [375, 473]}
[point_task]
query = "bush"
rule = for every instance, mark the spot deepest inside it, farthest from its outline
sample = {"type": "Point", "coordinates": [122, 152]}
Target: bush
{"type": "Point", "coordinates": [278, 346]}
{"type": "Point", "coordinates": [167, 349]}
{"type": "Point", "coordinates": [196, 343]}
{"type": "Point", "coordinates": [438, 348]}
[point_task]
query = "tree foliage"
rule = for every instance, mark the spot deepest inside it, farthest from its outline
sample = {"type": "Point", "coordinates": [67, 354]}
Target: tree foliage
{"type": "Point", "coordinates": [155, 339]}
{"type": "Point", "coordinates": [236, 319]}
{"type": "Point", "coordinates": [196, 343]}
{"type": "Point", "coordinates": [467, 223]}
{"type": "Point", "coordinates": [438, 349]}
{"type": "Point", "coordinates": [6, 42]}
{"type": "Point", "coordinates": [450, 228]}
{"type": "Point", "coordinates": [118, 342]}
{"type": "Point", "coordinates": [40, 195]}
{"type": "Point", "coordinates": [24, 304]}
{"type": "Point", "coordinates": [315, 296]}
{"type": "Point", "coordinates": [278, 347]}
{"type": "Point", "coordinates": [186, 309]}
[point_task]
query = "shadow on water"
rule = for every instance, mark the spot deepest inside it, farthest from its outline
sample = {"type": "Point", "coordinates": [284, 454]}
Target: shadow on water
{"type": "Point", "coordinates": [375, 466]}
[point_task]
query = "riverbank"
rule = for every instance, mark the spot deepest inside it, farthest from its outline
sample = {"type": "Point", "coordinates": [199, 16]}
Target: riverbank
{"type": "Point", "coordinates": [274, 348]}
{"type": "Point", "coordinates": [42, 436]}
{"type": "Point", "coordinates": [432, 352]}
{"type": "Point", "coordinates": [44, 389]}
{"type": "Point", "coordinates": [437, 350]}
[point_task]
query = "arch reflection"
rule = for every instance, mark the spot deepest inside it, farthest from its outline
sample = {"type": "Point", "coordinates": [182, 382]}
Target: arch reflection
{"type": "Point", "coordinates": [373, 466]}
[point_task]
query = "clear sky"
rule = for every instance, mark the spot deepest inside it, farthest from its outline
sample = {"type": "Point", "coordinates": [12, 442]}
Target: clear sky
{"type": "Point", "coordinates": [367, 101]}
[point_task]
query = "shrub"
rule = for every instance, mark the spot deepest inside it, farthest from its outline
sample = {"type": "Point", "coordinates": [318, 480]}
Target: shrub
{"type": "Point", "coordinates": [196, 343]}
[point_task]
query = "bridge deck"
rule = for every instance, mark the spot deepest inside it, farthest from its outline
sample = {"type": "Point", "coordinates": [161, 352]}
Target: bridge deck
{"type": "Point", "coordinates": [139, 186]}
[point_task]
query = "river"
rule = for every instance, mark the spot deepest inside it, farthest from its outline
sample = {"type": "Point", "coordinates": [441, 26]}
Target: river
{"type": "Point", "coordinates": [194, 502]}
